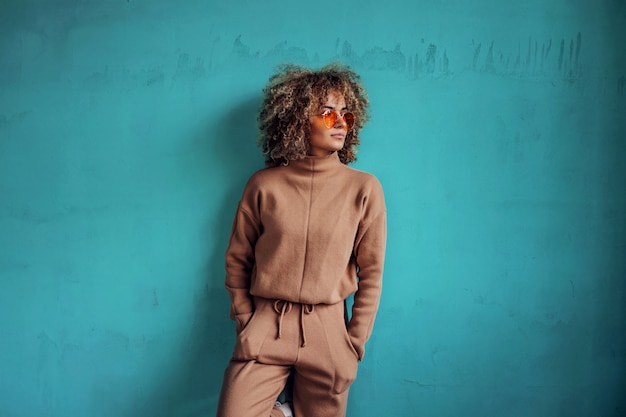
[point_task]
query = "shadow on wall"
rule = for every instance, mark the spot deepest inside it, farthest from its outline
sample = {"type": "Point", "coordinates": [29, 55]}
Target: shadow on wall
{"type": "Point", "coordinates": [231, 155]}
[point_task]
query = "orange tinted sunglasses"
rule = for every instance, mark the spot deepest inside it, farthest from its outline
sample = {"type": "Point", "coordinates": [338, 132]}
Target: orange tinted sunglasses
{"type": "Point", "coordinates": [330, 118]}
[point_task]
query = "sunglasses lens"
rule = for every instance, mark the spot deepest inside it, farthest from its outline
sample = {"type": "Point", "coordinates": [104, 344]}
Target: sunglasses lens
{"type": "Point", "coordinates": [330, 118]}
{"type": "Point", "coordinates": [349, 119]}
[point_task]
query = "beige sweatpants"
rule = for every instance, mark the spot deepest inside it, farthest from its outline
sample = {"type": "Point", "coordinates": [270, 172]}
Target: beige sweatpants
{"type": "Point", "coordinates": [311, 340]}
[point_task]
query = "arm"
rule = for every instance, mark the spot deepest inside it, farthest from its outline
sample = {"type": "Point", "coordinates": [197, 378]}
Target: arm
{"type": "Point", "coordinates": [369, 250]}
{"type": "Point", "coordinates": [240, 264]}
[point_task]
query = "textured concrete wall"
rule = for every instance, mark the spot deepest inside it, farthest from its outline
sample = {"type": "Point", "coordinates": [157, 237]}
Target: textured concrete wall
{"type": "Point", "coordinates": [127, 132]}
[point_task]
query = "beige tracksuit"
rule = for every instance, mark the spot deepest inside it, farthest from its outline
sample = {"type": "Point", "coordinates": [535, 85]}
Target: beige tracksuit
{"type": "Point", "coordinates": [301, 236]}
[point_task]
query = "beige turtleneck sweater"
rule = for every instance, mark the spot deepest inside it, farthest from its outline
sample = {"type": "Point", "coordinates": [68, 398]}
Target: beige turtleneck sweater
{"type": "Point", "coordinates": [303, 233]}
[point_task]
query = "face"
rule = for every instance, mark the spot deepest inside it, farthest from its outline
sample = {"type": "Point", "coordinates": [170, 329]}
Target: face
{"type": "Point", "coordinates": [324, 140]}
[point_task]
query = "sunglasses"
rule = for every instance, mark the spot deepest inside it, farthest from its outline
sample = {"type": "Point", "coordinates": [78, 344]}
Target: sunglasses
{"type": "Point", "coordinates": [330, 118]}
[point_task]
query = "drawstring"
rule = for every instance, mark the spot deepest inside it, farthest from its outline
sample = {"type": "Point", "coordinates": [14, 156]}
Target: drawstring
{"type": "Point", "coordinates": [306, 309]}
{"type": "Point", "coordinates": [283, 307]}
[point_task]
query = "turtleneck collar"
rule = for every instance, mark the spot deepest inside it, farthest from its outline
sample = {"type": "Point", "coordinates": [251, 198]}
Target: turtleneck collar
{"type": "Point", "coordinates": [316, 164]}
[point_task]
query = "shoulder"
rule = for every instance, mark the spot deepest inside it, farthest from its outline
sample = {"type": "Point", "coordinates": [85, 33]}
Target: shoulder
{"type": "Point", "coordinates": [370, 196]}
{"type": "Point", "coordinates": [255, 188]}
{"type": "Point", "coordinates": [261, 179]}
{"type": "Point", "coordinates": [365, 180]}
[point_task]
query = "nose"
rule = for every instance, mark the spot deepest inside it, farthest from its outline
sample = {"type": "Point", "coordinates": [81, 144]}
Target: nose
{"type": "Point", "coordinates": [341, 121]}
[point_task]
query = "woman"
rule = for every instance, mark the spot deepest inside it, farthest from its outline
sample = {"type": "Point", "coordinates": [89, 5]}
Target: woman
{"type": "Point", "coordinates": [309, 232]}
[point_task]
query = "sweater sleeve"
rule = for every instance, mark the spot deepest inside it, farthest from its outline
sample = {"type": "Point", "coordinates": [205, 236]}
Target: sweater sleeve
{"type": "Point", "coordinates": [369, 251]}
{"type": "Point", "coordinates": [245, 231]}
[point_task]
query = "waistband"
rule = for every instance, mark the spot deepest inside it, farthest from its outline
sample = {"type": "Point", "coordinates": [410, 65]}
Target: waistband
{"type": "Point", "coordinates": [282, 307]}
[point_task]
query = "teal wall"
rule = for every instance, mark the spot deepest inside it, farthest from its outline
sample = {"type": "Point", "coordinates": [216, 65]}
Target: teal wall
{"type": "Point", "coordinates": [127, 132]}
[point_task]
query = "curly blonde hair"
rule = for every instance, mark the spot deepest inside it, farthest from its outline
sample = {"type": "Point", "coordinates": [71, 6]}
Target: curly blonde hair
{"type": "Point", "coordinates": [294, 94]}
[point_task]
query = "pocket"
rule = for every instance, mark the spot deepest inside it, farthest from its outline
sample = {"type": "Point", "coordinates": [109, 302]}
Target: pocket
{"type": "Point", "coordinates": [242, 321]}
{"type": "Point", "coordinates": [347, 360]}
{"type": "Point", "coordinates": [349, 342]}
{"type": "Point", "coordinates": [251, 338]}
